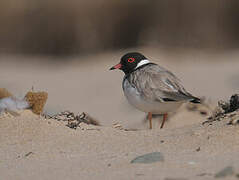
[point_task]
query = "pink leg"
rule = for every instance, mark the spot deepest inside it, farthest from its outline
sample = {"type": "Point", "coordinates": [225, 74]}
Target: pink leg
{"type": "Point", "coordinates": [164, 119]}
{"type": "Point", "coordinates": [150, 120]}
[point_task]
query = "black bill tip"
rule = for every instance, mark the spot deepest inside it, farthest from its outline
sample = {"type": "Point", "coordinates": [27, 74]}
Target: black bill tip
{"type": "Point", "coordinates": [117, 66]}
{"type": "Point", "coordinates": [112, 68]}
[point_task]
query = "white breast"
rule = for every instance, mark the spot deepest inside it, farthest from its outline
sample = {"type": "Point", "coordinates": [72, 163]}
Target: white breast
{"type": "Point", "coordinates": [138, 101]}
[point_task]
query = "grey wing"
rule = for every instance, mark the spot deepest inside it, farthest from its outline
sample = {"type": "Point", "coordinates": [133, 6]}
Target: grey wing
{"type": "Point", "coordinates": [157, 83]}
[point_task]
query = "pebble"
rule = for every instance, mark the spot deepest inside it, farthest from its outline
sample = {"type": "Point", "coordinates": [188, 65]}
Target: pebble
{"type": "Point", "coordinates": [149, 158]}
{"type": "Point", "coordinates": [227, 171]}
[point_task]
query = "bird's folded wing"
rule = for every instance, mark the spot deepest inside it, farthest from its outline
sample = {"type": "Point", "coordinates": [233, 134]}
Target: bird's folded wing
{"type": "Point", "coordinates": [157, 83]}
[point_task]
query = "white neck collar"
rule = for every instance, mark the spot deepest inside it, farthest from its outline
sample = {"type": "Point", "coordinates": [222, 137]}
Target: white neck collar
{"type": "Point", "coordinates": [142, 62]}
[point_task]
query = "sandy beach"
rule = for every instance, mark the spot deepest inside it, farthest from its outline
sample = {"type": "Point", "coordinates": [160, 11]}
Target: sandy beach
{"type": "Point", "coordinates": [37, 148]}
{"type": "Point", "coordinates": [34, 147]}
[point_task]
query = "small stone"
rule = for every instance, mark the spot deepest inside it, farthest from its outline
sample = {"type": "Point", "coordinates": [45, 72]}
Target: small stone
{"type": "Point", "coordinates": [227, 171]}
{"type": "Point", "coordinates": [203, 112]}
{"type": "Point", "coordinates": [149, 158]}
{"type": "Point", "coordinates": [198, 149]}
{"type": "Point", "coordinates": [234, 102]}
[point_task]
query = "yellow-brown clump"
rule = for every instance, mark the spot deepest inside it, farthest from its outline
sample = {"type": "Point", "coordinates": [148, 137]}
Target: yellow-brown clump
{"type": "Point", "coordinates": [37, 101]}
{"type": "Point", "coordinates": [4, 93]}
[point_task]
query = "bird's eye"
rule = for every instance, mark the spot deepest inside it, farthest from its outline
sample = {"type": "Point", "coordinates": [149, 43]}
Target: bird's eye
{"type": "Point", "coordinates": [130, 60]}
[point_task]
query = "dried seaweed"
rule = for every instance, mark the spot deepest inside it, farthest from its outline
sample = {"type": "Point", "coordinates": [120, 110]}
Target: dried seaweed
{"type": "Point", "coordinates": [73, 121]}
{"type": "Point", "coordinates": [226, 110]}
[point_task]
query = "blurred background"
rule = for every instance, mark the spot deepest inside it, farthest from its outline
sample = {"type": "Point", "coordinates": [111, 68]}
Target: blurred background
{"type": "Point", "coordinates": [60, 27]}
{"type": "Point", "coordinates": [66, 48]}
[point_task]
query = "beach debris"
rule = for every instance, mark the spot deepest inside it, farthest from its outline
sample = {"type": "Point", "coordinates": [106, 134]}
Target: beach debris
{"type": "Point", "coordinates": [149, 158]}
{"type": "Point", "coordinates": [198, 149]}
{"type": "Point", "coordinates": [37, 101]}
{"type": "Point", "coordinates": [118, 126]}
{"type": "Point", "coordinates": [226, 110]}
{"type": "Point", "coordinates": [227, 171]}
{"type": "Point", "coordinates": [82, 118]}
{"type": "Point", "coordinates": [28, 154]}
{"type": "Point", "coordinates": [33, 100]}
{"type": "Point", "coordinates": [234, 103]}
{"type": "Point", "coordinates": [74, 121]}
{"type": "Point", "coordinates": [12, 105]}
{"type": "Point", "coordinates": [4, 93]}
{"type": "Point", "coordinates": [63, 116]}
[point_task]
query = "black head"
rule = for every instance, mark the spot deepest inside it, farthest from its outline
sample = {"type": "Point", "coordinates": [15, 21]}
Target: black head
{"type": "Point", "coordinates": [130, 61]}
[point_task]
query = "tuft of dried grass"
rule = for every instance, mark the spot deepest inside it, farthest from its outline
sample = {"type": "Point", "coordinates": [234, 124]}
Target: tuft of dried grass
{"type": "Point", "coordinates": [4, 93]}
{"type": "Point", "coordinates": [37, 101]}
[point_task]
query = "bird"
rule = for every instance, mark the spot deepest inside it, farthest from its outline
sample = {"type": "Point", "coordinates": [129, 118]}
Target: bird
{"type": "Point", "coordinates": [151, 88]}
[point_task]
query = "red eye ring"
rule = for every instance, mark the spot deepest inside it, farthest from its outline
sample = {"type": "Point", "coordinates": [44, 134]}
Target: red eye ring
{"type": "Point", "coordinates": [130, 60]}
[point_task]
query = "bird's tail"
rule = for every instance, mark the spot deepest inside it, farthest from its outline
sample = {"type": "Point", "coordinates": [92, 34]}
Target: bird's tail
{"type": "Point", "coordinates": [195, 100]}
